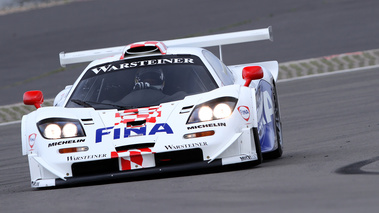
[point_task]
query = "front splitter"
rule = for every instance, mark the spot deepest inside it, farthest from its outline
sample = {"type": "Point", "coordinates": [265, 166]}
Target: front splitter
{"type": "Point", "coordinates": [140, 173]}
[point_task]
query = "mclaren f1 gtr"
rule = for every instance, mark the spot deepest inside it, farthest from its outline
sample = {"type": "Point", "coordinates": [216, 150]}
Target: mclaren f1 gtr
{"type": "Point", "coordinates": [154, 107]}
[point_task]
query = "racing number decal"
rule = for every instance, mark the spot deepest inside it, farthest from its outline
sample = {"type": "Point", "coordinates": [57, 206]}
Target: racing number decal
{"type": "Point", "coordinates": [266, 110]}
{"type": "Point", "coordinates": [268, 107]}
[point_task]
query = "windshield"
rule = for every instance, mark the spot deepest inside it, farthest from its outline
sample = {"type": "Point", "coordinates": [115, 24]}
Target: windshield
{"type": "Point", "coordinates": [142, 82]}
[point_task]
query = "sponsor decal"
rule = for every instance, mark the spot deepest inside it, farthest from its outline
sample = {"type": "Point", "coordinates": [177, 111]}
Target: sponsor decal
{"type": "Point", "coordinates": [138, 158]}
{"type": "Point", "coordinates": [114, 67]}
{"type": "Point", "coordinates": [148, 114]}
{"type": "Point", "coordinates": [32, 140]}
{"type": "Point", "coordinates": [246, 158]}
{"type": "Point", "coordinates": [86, 157]}
{"type": "Point", "coordinates": [186, 146]}
{"type": "Point", "coordinates": [206, 126]}
{"type": "Point", "coordinates": [245, 112]}
{"type": "Point", "coordinates": [266, 115]}
{"type": "Point", "coordinates": [66, 142]}
{"type": "Point", "coordinates": [267, 108]}
{"type": "Point", "coordinates": [130, 132]}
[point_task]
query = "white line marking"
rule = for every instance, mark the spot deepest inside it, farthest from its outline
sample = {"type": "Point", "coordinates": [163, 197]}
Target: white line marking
{"type": "Point", "coordinates": [10, 123]}
{"type": "Point", "coordinates": [330, 73]}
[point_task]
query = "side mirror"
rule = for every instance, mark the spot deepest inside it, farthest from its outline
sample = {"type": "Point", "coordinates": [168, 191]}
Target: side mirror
{"type": "Point", "coordinates": [251, 73]}
{"type": "Point", "coordinates": [33, 98]}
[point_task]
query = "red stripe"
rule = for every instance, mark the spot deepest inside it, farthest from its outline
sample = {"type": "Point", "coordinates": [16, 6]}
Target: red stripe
{"type": "Point", "coordinates": [136, 45]}
{"type": "Point", "coordinates": [114, 155]}
{"type": "Point", "coordinates": [152, 42]}
{"type": "Point", "coordinates": [145, 150]}
{"type": "Point", "coordinates": [142, 115]}
{"type": "Point", "coordinates": [136, 157]}
{"type": "Point", "coordinates": [130, 110]}
{"type": "Point", "coordinates": [151, 120]}
{"type": "Point", "coordinates": [125, 164]}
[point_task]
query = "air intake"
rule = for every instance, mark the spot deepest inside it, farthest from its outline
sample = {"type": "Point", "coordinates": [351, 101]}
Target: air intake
{"type": "Point", "coordinates": [134, 146]}
{"type": "Point", "coordinates": [147, 47]}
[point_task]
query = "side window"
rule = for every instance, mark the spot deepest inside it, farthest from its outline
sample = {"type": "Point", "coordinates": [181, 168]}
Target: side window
{"type": "Point", "coordinates": [221, 70]}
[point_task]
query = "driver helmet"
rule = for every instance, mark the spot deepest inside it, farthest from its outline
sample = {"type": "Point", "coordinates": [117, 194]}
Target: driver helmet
{"type": "Point", "coordinates": [153, 77]}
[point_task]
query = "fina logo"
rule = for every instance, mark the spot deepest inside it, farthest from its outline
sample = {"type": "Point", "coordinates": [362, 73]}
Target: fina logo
{"type": "Point", "coordinates": [32, 139]}
{"type": "Point", "coordinates": [245, 112]}
{"type": "Point", "coordinates": [130, 132]}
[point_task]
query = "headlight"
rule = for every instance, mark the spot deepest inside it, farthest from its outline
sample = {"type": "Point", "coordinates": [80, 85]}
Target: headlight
{"type": "Point", "coordinates": [52, 131]}
{"type": "Point", "coordinates": [219, 108]}
{"type": "Point", "coordinates": [222, 111]}
{"type": "Point", "coordinates": [205, 113]}
{"type": "Point", "coordinates": [69, 130]}
{"type": "Point", "coordinates": [56, 128]}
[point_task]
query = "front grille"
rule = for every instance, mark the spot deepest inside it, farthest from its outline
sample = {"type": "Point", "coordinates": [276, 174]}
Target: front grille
{"type": "Point", "coordinates": [178, 157]}
{"type": "Point", "coordinates": [108, 166]}
{"type": "Point", "coordinates": [95, 167]}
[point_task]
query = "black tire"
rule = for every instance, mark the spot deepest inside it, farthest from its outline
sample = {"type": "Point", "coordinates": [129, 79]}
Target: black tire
{"type": "Point", "coordinates": [257, 147]}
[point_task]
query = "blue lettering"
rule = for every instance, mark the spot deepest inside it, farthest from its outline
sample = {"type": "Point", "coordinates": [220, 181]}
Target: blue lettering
{"type": "Point", "coordinates": [138, 131]}
{"type": "Point", "coordinates": [157, 128]}
{"type": "Point", "coordinates": [116, 134]}
{"type": "Point", "coordinates": [160, 127]}
{"type": "Point", "coordinates": [100, 133]}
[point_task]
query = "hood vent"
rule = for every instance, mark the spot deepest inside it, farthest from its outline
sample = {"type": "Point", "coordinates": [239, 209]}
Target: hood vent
{"type": "Point", "coordinates": [136, 123]}
{"type": "Point", "coordinates": [186, 109]}
{"type": "Point", "coordinates": [87, 121]}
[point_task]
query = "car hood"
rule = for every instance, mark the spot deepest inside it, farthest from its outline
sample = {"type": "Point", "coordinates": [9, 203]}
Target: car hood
{"type": "Point", "coordinates": [135, 126]}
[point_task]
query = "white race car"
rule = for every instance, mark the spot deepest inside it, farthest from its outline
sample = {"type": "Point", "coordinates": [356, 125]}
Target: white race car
{"type": "Point", "coordinates": [154, 107]}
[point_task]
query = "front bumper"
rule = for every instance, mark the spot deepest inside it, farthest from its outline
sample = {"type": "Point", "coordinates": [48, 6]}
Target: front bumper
{"type": "Point", "coordinates": [238, 150]}
{"type": "Point", "coordinates": [128, 175]}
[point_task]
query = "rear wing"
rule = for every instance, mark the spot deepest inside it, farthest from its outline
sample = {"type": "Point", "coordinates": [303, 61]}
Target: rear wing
{"type": "Point", "coordinates": [200, 41]}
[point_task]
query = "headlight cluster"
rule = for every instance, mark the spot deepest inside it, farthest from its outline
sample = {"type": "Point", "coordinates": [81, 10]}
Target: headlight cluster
{"type": "Point", "coordinates": [56, 128]}
{"type": "Point", "coordinates": [213, 110]}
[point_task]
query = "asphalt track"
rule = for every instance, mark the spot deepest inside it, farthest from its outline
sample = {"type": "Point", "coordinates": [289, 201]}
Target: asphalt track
{"type": "Point", "coordinates": [331, 122]}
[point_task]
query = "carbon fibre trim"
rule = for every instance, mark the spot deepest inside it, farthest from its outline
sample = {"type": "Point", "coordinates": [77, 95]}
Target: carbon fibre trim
{"type": "Point", "coordinates": [128, 175]}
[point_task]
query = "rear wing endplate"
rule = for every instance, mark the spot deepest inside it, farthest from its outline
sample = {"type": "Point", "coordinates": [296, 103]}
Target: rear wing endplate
{"type": "Point", "coordinates": [200, 41]}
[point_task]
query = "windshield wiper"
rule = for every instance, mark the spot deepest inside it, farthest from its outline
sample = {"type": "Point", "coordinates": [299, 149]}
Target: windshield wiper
{"type": "Point", "coordinates": [91, 103]}
{"type": "Point", "coordinates": [81, 103]}
{"type": "Point", "coordinates": [115, 105]}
